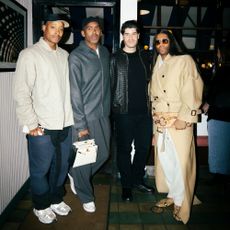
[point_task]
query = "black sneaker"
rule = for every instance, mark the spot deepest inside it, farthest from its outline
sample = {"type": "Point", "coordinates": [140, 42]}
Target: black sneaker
{"type": "Point", "coordinates": [144, 188]}
{"type": "Point", "coordinates": [127, 194]}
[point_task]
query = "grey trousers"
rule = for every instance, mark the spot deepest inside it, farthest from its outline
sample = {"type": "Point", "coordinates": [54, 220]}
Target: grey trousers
{"type": "Point", "coordinates": [82, 176]}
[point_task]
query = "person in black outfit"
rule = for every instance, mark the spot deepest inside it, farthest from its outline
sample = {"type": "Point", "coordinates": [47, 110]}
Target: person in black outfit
{"type": "Point", "coordinates": [130, 74]}
{"type": "Point", "coordinates": [217, 107]}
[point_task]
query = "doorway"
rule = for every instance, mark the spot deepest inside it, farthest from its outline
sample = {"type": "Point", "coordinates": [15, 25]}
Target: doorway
{"type": "Point", "coordinates": [75, 12]}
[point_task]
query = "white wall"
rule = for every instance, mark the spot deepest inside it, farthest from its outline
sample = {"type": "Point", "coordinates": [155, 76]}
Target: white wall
{"type": "Point", "coordinates": [13, 150]}
{"type": "Point", "coordinates": [128, 11]}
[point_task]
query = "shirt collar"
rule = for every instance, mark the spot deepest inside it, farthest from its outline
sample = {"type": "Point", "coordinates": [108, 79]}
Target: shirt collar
{"type": "Point", "coordinates": [46, 45]}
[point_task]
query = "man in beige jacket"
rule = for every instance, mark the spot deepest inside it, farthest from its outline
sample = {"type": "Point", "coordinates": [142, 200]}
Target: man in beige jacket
{"type": "Point", "coordinates": [176, 95]}
{"type": "Point", "coordinates": [42, 95]}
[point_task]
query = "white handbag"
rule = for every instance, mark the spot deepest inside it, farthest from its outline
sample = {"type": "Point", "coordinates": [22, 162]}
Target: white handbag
{"type": "Point", "coordinates": [86, 152]}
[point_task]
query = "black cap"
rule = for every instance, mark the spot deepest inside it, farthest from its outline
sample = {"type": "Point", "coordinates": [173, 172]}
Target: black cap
{"type": "Point", "coordinates": [86, 21]}
{"type": "Point", "coordinates": [56, 17]}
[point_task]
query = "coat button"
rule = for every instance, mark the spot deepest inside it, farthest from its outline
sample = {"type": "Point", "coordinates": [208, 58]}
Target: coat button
{"type": "Point", "coordinates": [164, 91]}
{"type": "Point", "coordinates": [167, 104]}
{"type": "Point", "coordinates": [163, 76]}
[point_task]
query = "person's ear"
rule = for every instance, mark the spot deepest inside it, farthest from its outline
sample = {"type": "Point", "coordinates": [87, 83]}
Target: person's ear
{"type": "Point", "coordinates": [82, 33]}
{"type": "Point", "coordinates": [43, 27]}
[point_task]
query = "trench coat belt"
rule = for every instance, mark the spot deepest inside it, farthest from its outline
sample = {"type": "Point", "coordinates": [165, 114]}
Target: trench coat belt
{"type": "Point", "coordinates": [164, 120]}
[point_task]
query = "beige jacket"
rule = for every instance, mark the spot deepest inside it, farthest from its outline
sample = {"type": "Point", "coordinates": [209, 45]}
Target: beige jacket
{"type": "Point", "coordinates": [176, 87]}
{"type": "Point", "coordinates": [41, 87]}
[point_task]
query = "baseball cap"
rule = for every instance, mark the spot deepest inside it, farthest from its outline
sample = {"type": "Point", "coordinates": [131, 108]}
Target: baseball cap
{"type": "Point", "coordinates": [56, 17]}
{"type": "Point", "coordinates": [86, 21]}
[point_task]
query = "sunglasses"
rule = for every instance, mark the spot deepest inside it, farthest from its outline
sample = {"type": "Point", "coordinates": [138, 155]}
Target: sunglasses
{"type": "Point", "coordinates": [164, 41]}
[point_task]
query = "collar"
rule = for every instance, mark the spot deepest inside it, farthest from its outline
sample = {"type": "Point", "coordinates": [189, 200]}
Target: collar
{"type": "Point", "coordinates": [87, 48]}
{"type": "Point", "coordinates": [44, 44]}
{"type": "Point", "coordinates": [160, 61]}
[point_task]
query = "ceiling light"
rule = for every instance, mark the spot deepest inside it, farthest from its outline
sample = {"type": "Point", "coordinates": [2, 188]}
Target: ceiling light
{"type": "Point", "coordinates": [144, 12]}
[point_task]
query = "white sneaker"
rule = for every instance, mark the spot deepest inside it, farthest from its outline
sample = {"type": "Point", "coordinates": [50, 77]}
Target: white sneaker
{"type": "Point", "coordinates": [46, 216]}
{"type": "Point", "coordinates": [72, 184]}
{"type": "Point", "coordinates": [89, 207]}
{"type": "Point", "coordinates": [61, 209]}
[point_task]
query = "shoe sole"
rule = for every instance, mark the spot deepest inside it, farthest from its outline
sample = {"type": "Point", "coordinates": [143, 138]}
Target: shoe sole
{"type": "Point", "coordinates": [89, 210]}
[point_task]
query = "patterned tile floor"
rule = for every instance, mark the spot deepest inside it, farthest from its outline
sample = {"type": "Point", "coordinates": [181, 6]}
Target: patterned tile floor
{"type": "Point", "coordinates": [212, 214]}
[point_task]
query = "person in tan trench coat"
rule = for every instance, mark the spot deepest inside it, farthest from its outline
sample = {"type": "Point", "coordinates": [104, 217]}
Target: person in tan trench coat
{"type": "Point", "coordinates": [176, 95]}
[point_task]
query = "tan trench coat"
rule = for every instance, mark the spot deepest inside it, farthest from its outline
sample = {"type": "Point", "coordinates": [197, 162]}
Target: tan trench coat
{"type": "Point", "coordinates": [177, 87]}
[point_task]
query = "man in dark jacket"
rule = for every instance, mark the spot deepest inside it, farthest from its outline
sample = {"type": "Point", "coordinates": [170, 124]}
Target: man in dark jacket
{"type": "Point", "coordinates": [130, 74]}
{"type": "Point", "coordinates": [90, 96]}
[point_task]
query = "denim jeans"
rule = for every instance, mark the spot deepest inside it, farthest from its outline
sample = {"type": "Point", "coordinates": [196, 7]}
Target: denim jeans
{"type": "Point", "coordinates": [49, 165]}
{"type": "Point", "coordinates": [137, 129]}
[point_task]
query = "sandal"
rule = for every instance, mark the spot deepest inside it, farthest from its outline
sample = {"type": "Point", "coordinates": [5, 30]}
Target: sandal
{"type": "Point", "coordinates": [176, 211]}
{"type": "Point", "coordinates": [164, 203]}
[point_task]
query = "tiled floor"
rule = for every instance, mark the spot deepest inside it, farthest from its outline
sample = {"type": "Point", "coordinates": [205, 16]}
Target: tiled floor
{"type": "Point", "coordinates": [213, 213]}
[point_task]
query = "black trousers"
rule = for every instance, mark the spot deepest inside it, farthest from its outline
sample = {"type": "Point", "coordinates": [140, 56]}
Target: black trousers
{"type": "Point", "coordinates": [137, 129]}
